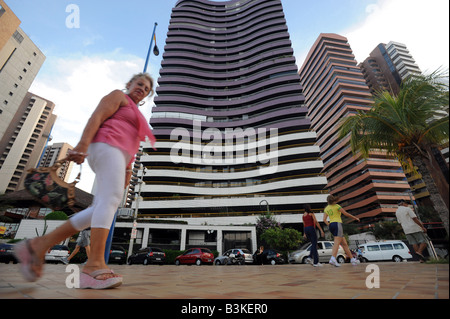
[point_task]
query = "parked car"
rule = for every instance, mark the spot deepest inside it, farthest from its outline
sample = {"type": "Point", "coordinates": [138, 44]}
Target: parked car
{"type": "Point", "coordinates": [57, 253]}
{"type": "Point", "coordinates": [269, 256]}
{"type": "Point", "coordinates": [394, 250]}
{"type": "Point", "coordinates": [324, 249]}
{"type": "Point", "coordinates": [7, 254]}
{"type": "Point", "coordinates": [195, 256]}
{"type": "Point", "coordinates": [117, 255]}
{"type": "Point", "coordinates": [148, 255]}
{"type": "Point", "coordinates": [229, 257]}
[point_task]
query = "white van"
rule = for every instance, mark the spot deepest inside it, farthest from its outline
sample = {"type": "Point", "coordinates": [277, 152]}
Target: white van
{"type": "Point", "coordinates": [394, 250]}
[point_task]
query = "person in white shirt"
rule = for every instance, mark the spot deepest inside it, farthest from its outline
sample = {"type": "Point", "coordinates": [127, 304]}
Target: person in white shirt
{"type": "Point", "coordinates": [413, 228]}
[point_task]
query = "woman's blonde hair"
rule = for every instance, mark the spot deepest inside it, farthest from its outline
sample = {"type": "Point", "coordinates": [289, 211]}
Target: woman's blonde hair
{"type": "Point", "coordinates": [332, 199]}
{"type": "Point", "coordinates": [145, 76]}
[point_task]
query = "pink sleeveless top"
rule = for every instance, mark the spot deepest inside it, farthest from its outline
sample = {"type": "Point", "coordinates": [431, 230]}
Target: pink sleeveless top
{"type": "Point", "coordinates": [125, 129]}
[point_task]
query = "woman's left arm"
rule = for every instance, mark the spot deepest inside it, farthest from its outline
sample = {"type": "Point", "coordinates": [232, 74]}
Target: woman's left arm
{"type": "Point", "coordinates": [318, 225]}
{"type": "Point", "coordinates": [105, 109]}
{"type": "Point", "coordinates": [348, 215]}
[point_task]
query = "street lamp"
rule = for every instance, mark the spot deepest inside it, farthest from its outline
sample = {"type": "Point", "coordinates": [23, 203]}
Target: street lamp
{"type": "Point", "coordinates": [155, 49]}
{"type": "Point", "coordinates": [137, 198]}
{"type": "Point", "coordinates": [267, 205]}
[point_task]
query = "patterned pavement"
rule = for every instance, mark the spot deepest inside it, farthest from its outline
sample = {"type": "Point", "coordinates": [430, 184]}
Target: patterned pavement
{"type": "Point", "coordinates": [407, 280]}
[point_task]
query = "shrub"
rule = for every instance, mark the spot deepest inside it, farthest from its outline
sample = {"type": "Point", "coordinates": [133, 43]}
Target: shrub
{"type": "Point", "coordinates": [56, 215]}
{"type": "Point", "coordinates": [282, 239]}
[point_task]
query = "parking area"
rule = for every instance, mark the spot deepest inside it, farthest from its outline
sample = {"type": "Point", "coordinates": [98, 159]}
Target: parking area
{"type": "Point", "coordinates": [407, 280]}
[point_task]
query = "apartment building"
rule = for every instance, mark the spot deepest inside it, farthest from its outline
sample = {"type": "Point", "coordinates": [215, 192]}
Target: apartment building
{"type": "Point", "coordinates": [24, 141]}
{"type": "Point", "coordinates": [54, 153]}
{"type": "Point", "coordinates": [233, 134]}
{"type": "Point", "coordinates": [20, 61]}
{"type": "Point", "coordinates": [335, 88]}
{"type": "Point", "coordinates": [25, 118]}
{"type": "Point", "coordinates": [387, 66]}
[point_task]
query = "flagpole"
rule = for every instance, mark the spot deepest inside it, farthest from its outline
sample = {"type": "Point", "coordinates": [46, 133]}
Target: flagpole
{"type": "Point", "coordinates": [150, 48]}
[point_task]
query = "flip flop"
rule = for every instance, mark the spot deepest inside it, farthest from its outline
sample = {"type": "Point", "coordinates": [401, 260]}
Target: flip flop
{"type": "Point", "coordinates": [89, 281]}
{"type": "Point", "coordinates": [27, 258]}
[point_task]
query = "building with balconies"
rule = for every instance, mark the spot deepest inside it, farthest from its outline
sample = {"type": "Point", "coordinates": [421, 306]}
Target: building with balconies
{"type": "Point", "coordinates": [335, 88]}
{"type": "Point", "coordinates": [233, 135]}
{"type": "Point", "coordinates": [387, 66]}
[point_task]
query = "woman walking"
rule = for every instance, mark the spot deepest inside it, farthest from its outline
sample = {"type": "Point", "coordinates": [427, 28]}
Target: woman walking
{"type": "Point", "coordinates": [309, 223]}
{"type": "Point", "coordinates": [334, 212]}
{"type": "Point", "coordinates": [109, 141]}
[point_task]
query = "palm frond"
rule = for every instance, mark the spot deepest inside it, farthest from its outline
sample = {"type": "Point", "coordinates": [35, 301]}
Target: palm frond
{"type": "Point", "coordinates": [405, 123]}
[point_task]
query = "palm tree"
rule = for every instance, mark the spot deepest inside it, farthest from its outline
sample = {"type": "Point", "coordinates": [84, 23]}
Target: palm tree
{"type": "Point", "coordinates": [409, 126]}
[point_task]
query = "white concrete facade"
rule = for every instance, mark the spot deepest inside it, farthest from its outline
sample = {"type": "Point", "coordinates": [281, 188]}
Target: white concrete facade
{"type": "Point", "coordinates": [32, 228]}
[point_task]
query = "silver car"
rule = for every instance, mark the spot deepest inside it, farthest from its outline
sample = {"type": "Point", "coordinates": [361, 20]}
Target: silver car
{"type": "Point", "coordinates": [57, 254]}
{"type": "Point", "coordinates": [324, 249]}
{"type": "Point", "coordinates": [226, 257]}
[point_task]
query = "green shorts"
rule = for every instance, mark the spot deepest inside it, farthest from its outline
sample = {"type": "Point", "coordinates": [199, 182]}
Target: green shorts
{"type": "Point", "coordinates": [416, 238]}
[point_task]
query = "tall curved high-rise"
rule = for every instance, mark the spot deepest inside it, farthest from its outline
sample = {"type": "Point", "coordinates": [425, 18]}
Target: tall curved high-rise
{"type": "Point", "coordinates": [229, 116]}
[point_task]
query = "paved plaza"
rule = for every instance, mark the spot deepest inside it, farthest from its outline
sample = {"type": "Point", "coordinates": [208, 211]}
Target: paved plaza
{"type": "Point", "coordinates": [407, 280]}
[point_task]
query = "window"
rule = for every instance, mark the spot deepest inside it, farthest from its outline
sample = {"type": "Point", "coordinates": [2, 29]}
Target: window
{"type": "Point", "coordinates": [2, 10]}
{"type": "Point", "coordinates": [386, 247]}
{"type": "Point", "coordinates": [142, 251]}
{"type": "Point", "coordinates": [328, 245]}
{"type": "Point", "coordinates": [373, 248]}
{"type": "Point", "coordinates": [398, 246]}
{"type": "Point", "coordinates": [18, 37]}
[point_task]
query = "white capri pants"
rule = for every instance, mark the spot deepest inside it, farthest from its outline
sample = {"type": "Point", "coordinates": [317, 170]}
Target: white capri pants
{"type": "Point", "coordinates": [109, 165]}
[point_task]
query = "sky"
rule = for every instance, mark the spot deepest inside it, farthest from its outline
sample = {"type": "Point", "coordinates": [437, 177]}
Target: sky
{"type": "Point", "coordinates": [94, 46]}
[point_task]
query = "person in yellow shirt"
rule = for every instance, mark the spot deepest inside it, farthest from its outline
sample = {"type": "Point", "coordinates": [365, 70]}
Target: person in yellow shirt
{"type": "Point", "coordinates": [334, 212]}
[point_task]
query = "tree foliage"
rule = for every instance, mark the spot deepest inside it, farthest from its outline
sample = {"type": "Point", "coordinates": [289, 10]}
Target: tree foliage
{"type": "Point", "coordinates": [282, 239]}
{"type": "Point", "coordinates": [408, 126]}
{"type": "Point", "coordinates": [388, 230]}
{"type": "Point", "coordinates": [56, 215]}
{"type": "Point", "coordinates": [266, 221]}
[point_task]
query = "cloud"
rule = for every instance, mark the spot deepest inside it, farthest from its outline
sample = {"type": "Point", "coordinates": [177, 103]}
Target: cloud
{"type": "Point", "coordinates": [76, 85]}
{"type": "Point", "coordinates": [423, 26]}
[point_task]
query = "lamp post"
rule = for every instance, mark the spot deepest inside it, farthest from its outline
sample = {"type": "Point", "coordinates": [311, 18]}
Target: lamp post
{"type": "Point", "coordinates": [155, 50]}
{"type": "Point", "coordinates": [267, 205]}
{"type": "Point", "coordinates": [134, 229]}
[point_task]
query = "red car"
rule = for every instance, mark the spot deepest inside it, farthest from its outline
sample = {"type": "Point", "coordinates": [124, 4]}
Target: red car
{"type": "Point", "coordinates": [196, 256]}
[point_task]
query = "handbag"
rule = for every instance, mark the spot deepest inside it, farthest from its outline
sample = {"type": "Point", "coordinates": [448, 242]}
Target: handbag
{"type": "Point", "coordinates": [44, 184]}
